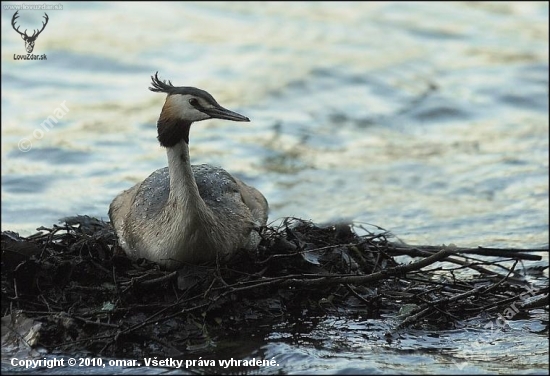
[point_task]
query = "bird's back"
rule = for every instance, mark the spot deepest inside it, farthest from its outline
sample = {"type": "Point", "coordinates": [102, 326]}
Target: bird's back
{"type": "Point", "coordinates": [236, 206]}
{"type": "Point", "coordinates": [216, 186]}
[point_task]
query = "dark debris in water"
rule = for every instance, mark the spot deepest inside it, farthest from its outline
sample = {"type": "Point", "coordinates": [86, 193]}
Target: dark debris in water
{"type": "Point", "coordinates": [71, 288]}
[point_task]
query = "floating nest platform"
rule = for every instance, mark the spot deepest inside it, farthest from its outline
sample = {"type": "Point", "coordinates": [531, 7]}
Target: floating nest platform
{"type": "Point", "coordinates": [71, 289]}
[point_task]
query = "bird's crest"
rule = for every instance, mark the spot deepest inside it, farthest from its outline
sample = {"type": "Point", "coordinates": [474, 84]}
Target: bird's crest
{"type": "Point", "coordinates": [161, 86]}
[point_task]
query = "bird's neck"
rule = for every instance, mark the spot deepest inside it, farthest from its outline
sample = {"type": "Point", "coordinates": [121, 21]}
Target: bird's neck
{"type": "Point", "coordinates": [184, 192]}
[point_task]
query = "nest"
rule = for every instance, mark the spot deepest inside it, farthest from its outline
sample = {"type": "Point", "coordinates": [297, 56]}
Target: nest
{"type": "Point", "coordinates": [70, 288]}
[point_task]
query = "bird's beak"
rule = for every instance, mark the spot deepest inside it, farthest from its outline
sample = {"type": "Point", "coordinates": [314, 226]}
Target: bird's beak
{"type": "Point", "coordinates": [224, 113]}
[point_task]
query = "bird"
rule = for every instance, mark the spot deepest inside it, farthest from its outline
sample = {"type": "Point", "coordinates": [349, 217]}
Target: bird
{"type": "Point", "coordinates": [187, 214]}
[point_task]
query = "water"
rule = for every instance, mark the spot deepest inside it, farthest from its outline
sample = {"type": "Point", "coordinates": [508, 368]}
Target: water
{"type": "Point", "coordinates": [430, 120]}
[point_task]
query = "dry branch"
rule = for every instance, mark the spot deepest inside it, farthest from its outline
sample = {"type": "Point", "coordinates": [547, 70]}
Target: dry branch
{"type": "Point", "coordinates": [87, 295]}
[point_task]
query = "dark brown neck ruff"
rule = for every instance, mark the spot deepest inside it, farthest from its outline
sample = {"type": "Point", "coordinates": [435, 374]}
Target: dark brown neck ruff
{"type": "Point", "coordinates": [171, 132]}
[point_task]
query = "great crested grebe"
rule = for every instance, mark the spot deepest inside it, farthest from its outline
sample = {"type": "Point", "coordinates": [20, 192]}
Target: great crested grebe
{"type": "Point", "coordinates": [184, 214]}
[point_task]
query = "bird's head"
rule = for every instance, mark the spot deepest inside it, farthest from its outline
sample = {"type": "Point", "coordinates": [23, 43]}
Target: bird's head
{"type": "Point", "coordinates": [185, 105]}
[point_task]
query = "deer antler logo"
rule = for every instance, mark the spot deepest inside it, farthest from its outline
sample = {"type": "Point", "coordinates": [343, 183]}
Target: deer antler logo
{"type": "Point", "coordinates": [29, 40]}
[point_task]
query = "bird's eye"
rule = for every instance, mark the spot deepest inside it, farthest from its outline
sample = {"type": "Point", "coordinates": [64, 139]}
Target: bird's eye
{"type": "Point", "coordinates": [193, 102]}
